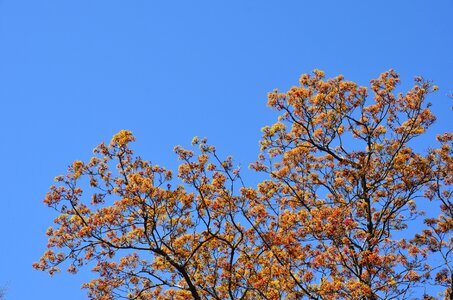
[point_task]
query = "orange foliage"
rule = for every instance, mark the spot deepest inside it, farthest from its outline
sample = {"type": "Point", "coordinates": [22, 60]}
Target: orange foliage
{"type": "Point", "coordinates": [331, 221]}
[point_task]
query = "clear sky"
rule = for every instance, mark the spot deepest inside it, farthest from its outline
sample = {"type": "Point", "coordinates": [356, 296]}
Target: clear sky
{"type": "Point", "coordinates": [74, 72]}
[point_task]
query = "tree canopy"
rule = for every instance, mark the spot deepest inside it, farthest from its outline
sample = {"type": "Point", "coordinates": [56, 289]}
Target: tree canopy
{"type": "Point", "coordinates": [351, 207]}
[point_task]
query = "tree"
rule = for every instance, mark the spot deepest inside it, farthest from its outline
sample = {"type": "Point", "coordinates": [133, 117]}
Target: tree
{"type": "Point", "coordinates": [2, 293]}
{"type": "Point", "coordinates": [337, 217]}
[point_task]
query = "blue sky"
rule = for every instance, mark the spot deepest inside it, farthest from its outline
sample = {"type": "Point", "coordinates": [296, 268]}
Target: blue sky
{"type": "Point", "coordinates": [73, 73]}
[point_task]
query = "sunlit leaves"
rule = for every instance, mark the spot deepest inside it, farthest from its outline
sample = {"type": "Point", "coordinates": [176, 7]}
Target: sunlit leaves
{"type": "Point", "coordinates": [334, 219]}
